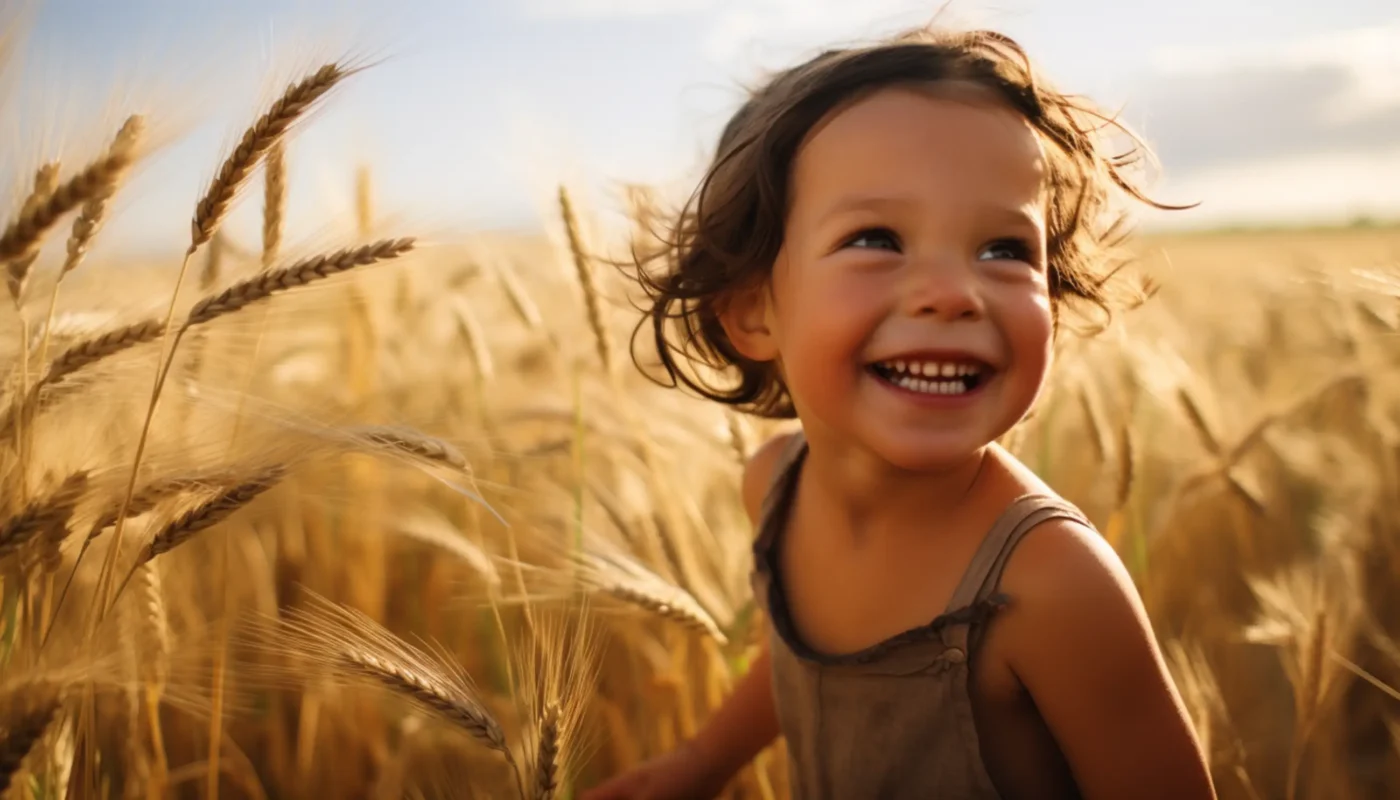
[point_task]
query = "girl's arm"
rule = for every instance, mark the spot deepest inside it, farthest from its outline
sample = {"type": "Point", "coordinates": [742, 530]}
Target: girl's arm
{"type": "Point", "coordinates": [1079, 640]}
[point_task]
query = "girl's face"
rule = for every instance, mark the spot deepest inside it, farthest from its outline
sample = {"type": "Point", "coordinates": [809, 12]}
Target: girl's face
{"type": "Point", "coordinates": [909, 308]}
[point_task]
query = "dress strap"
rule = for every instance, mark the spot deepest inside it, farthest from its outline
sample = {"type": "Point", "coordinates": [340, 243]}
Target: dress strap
{"type": "Point", "coordinates": [983, 573]}
{"type": "Point", "coordinates": [779, 496]}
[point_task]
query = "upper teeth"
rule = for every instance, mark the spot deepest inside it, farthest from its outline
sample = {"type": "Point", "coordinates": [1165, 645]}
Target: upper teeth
{"type": "Point", "coordinates": [932, 369]}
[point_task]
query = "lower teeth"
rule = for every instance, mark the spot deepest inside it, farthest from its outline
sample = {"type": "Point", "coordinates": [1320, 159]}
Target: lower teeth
{"type": "Point", "coordinates": [931, 387]}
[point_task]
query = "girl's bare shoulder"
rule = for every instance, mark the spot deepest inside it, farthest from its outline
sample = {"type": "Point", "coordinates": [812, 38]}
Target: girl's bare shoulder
{"type": "Point", "coordinates": [761, 469]}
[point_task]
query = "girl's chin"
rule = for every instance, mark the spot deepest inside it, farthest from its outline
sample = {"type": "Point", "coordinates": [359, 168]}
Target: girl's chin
{"type": "Point", "coordinates": [926, 453]}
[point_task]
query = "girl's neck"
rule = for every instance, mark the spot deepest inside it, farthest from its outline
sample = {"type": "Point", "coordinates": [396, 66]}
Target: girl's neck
{"type": "Point", "coordinates": [867, 495]}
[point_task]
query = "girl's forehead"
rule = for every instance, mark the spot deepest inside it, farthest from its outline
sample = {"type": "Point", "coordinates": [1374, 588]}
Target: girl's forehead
{"type": "Point", "coordinates": [904, 133]}
{"type": "Point", "coordinates": [948, 97]}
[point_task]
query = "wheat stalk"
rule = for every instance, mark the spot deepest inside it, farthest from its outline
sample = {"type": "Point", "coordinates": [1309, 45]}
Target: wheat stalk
{"type": "Point", "coordinates": [301, 273]}
{"type": "Point", "coordinates": [257, 140]}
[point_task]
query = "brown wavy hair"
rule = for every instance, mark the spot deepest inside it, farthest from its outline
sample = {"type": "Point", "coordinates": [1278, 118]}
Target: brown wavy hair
{"type": "Point", "coordinates": [727, 235]}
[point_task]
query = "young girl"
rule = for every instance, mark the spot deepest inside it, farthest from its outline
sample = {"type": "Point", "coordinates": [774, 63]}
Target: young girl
{"type": "Point", "coordinates": [882, 248]}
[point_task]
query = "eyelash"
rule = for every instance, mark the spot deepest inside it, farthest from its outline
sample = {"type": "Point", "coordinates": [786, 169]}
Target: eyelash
{"type": "Point", "coordinates": [1021, 249]}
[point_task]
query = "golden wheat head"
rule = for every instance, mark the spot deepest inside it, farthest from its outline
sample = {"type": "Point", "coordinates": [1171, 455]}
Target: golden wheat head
{"type": "Point", "coordinates": [257, 140]}
{"type": "Point", "coordinates": [301, 273]}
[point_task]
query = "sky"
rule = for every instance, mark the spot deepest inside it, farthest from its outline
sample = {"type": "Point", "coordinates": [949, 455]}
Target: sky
{"type": "Point", "coordinates": [471, 112]}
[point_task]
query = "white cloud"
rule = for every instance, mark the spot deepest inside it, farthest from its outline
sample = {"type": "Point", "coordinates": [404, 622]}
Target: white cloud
{"type": "Point", "coordinates": [1369, 57]}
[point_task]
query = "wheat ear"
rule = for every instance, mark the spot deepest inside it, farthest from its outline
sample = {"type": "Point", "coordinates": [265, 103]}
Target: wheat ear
{"type": "Point", "coordinates": [45, 181]}
{"type": "Point", "coordinates": [591, 299]}
{"type": "Point", "coordinates": [211, 512]}
{"type": "Point", "coordinates": [23, 236]}
{"type": "Point", "coordinates": [90, 218]}
{"type": "Point", "coordinates": [42, 515]}
{"type": "Point", "coordinates": [22, 732]}
{"type": "Point", "coordinates": [79, 356]}
{"type": "Point", "coordinates": [90, 351]}
{"type": "Point", "coordinates": [547, 754]}
{"type": "Point", "coordinates": [356, 648]}
{"type": "Point", "coordinates": [301, 273]}
{"type": "Point", "coordinates": [274, 203]}
{"type": "Point", "coordinates": [412, 443]}
{"type": "Point", "coordinates": [256, 142]}
{"type": "Point", "coordinates": [625, 579]}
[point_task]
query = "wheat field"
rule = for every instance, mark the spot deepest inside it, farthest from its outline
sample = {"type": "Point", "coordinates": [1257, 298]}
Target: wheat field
{"type": "Point", "coordinates": [396, 519]}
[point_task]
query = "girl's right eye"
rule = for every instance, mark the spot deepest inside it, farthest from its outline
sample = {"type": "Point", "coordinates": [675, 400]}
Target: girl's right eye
{"type": "Point", "coordinates": [877, 238]}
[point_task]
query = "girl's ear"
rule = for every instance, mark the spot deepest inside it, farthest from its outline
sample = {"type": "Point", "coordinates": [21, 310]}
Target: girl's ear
{"type": "Point", "coordinates": [746, 321]}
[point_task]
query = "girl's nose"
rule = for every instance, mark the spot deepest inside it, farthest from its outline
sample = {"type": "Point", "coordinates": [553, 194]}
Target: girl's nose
{"type": "Point", "coordinates": [941, 286]}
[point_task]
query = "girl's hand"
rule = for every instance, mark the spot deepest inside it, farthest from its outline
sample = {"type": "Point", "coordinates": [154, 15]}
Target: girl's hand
{"type": "Point", "coordinates": [679, 775]}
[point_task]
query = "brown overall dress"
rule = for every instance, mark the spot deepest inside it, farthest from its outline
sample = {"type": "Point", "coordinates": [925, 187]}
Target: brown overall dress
{"type": "Point", "coordinates": [893, 720]}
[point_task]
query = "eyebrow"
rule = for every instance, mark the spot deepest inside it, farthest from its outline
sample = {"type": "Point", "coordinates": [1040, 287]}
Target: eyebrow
{"type": "Point", "coordinates": [1008, 214]}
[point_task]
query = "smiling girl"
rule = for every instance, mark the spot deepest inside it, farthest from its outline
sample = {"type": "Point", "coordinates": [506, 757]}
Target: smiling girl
{"type": "Point", "coordinates": [882, 249]}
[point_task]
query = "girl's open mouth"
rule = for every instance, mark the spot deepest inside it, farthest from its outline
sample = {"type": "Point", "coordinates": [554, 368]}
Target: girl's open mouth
{"type": "Point", "coordinates": [932, 377]}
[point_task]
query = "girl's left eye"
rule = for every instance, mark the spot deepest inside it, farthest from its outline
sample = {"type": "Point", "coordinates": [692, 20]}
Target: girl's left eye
{"type": "Point", "coordinates": [1006, 250]}
{"type": "Point", "coordinates": [876, 238]}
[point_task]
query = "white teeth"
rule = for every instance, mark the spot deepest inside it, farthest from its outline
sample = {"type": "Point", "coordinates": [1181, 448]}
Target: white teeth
{"type": "Point", "coordinates": [931, 387]}
{"type": "Point", "coordinates": [932, 369]}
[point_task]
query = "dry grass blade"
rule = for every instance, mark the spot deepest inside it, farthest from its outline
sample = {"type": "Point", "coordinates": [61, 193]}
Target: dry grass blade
{"type": "Point", "coordinates": [90, 219]}
{"type": "Point", "coordinates": [625, 579]}
{"type": "Point", "coordinates": [23, 236]}
{"type": "Point", "coordinates": [356, 648]}
{"type": "Point", "coordinates": [210, 513]}
{"type": "Point", "coordinates": [411, 442]}
{"type": "Point", "coordinates": [301, 273]}
{"type": "Point", "coordinates": [256, 142]}
{"type": "Point", "coordinates": [45, 181]}
{"type": "Point", "coordinates": [43, 515]}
